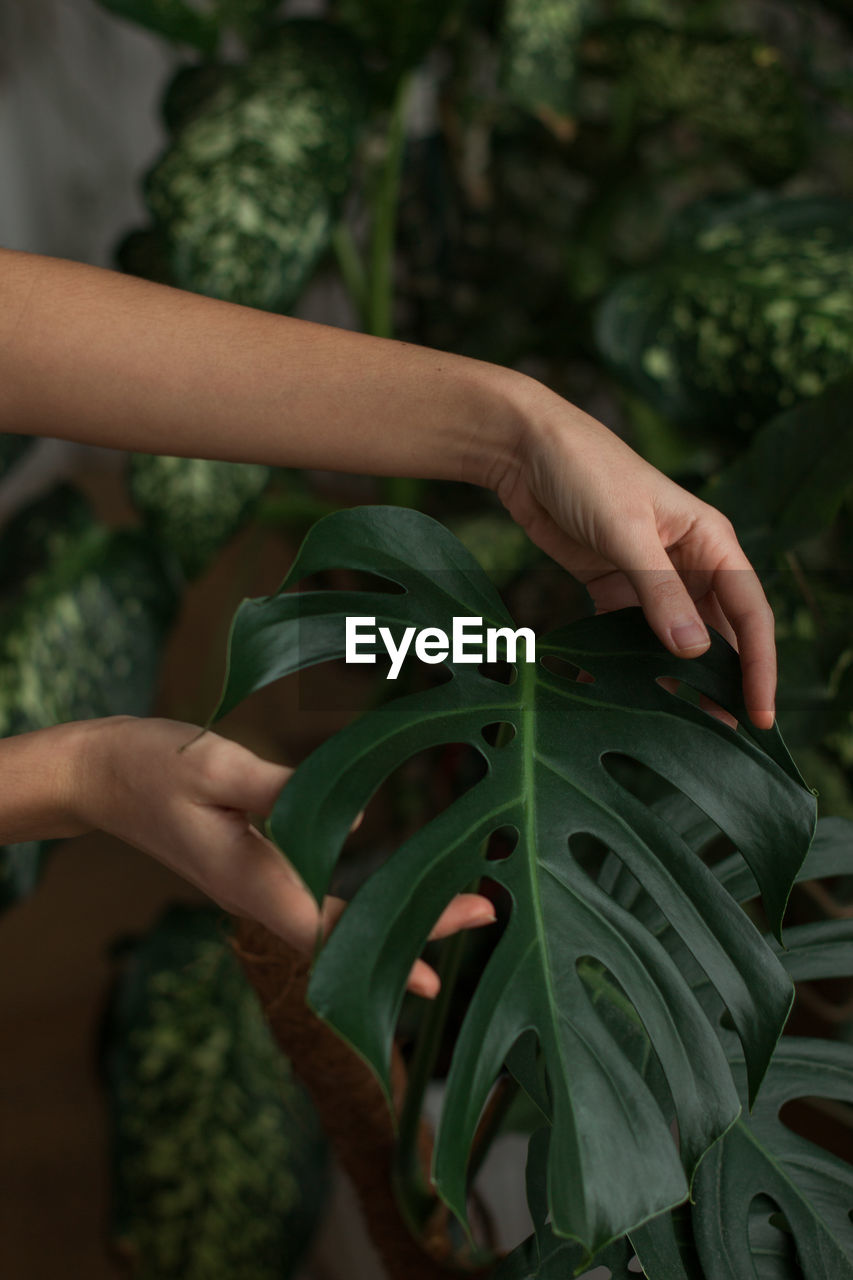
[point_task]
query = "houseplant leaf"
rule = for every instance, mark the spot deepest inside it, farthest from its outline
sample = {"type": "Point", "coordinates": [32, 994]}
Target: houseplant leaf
{"type": "Point", "coordinates": [400, 33]}
{"type": "Point", "coordinates": [176, 20]}
{"type": "Point", "coordinates": [247, 193]}
{"type": "Point", "coordinates": [80, 638]}
{"type": "Point", "coordinates": [748, 312]}
{"type": "Point", "coordinates": [791, 481]}
{"type": "Point", "coordinates": [733, 90]}
{"type": "Point", "coordinates": [540, 51]}
{"type": "Point", "coordinates": [192, 506]}
{"type": "Point", "coordinates": [220, 1162]}
{"type": "Point", "coordinates": [761, 1181]}
{"type": "Point", "coordinates": [550, 784]}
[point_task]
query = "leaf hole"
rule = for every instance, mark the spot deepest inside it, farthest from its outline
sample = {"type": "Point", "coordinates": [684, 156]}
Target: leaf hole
{"type": "Point", "coordinates": [825, 1121]}
{"type": "Point", "coordinates": [771, 1236]}
{"type": "Point", "coordinates": [588, 851]}
{"type": "Point", "coordinates": [566, 670]}
{"type": "Point", "coordinates": [501, 672]}
{"type": "Point", "coordinates": [622, 1022]}
{"type": "Point", "coordinates": [499, 734]}
{"type": "Point", "coordinates": [502, 843]}
{"type": "Point", "coordinates": [686, 693]}
{"type": "Point", "coordinates": [350, 580]}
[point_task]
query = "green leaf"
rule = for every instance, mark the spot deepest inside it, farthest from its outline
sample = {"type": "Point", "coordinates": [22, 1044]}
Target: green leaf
{"type": "Point", "coordinates": [39, 534]}
{"type": "Point", "coordinates": [249, 190]}
{"type": "Point", "coordinates": [218, 1154]}
{"type": "Point", "coordinates": [733, 90]}
{"type": "Point", "coordinates": [551, 784]}
{"type": "Point", "coordinates": [790, 483]}
{"type": "Point", "coordinates": [81, 638]}
{"type": "Point", "coordinates": [193, 506]}
{"type": "Point", "coordinates": [749, 311]}
{"type": "Point", "coordinates": [812, 1189]}
{"type": "Point", "coordinates": [761, 1182]}
{"type": "Point", "coordinates": [400, 33]}
{"type": "Point", "coordinates": [177, 20]}
{"type": "Point", "coordinates": [540, 50]}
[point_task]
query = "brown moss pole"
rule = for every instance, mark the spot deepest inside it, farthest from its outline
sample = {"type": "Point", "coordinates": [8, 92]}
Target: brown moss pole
{"type": "Point", "coordinates": [349, 1101]}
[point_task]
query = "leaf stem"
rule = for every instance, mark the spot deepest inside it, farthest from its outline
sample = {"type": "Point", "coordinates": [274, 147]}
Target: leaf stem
{"type": "Point", "coordinates": [380, 290]}
{"type": "Point", "coordinates": [351, 266]}
{"type": "Point", "coordinates": [414, 1195]}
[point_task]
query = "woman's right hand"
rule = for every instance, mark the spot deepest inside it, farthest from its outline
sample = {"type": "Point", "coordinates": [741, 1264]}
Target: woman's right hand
{"type": "Point", "coordinates": [187, 798]}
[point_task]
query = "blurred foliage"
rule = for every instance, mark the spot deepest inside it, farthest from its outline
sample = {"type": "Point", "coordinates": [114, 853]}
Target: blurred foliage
{"type": "Point", "coordinates": [12, 449]}
{"type": "Point", "coordinates": [246, 194]}
{"type": "Point", "coordinates": [749, 310]}
{"type": "Point", "coordinates": [83, 615]}
{"type": "Point", "coordinates": [192, 506]}
{"type": "Point", "coordinates": [220, 1162]}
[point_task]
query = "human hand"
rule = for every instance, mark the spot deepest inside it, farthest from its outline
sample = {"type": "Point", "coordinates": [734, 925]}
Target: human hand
{"type": "Point", "coordinates": [632, 536]}
{"type": "Point", "coordinates": [190, 808]}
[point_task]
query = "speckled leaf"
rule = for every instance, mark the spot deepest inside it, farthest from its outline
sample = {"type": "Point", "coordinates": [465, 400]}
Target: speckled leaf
{"type": "Point", "coordinates": [749, 312]}
{"type": "Point", "coordinates": [192, 506]}
{"type": "Point", "coordinates": [82, 638]}
{"type": "Point", "coordinates": [177, 20]}
{"type": "Point", "coordinates": [540, 49]}
{"type": "Point", "coordinates": [612, 1161]}
{"type": "Point", "coordinates": [733, 90]}
{"type": "Point", "coordinates": [791, 481]}
{"type": "Point", "coordinates": [189, 89]}
{"type": "Point", "coordinates": [247, 193]}
{"type": "Point", "coordinates": [218, 1154]}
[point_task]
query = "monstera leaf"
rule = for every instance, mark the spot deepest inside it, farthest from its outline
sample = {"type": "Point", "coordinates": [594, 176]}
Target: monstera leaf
{"type": "Point", "coordinates": [612, 1162]}
{"type": "Point", "coordinates": [749, 312]}
{"type": "Point", "coordinates": [218, 1154]}
{"type": "Point", "coordinates": [247, 194]}
{"type": "Point", "coordinates": [192, 506]}
{"type": "Point", "coordinates": [540, 47]}
{"type": "Point", "coordinates": [767, 1203]}
{"type": "Point", "coordinates": [733, 90]}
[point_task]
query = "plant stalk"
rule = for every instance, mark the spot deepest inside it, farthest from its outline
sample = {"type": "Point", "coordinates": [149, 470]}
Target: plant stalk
{"type": "Point", "coordinates": [414, 1196]}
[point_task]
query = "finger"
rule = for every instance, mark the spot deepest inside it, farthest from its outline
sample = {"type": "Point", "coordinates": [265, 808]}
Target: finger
{"type": "Point", "coordinates": [423, 981]}
{"type": "Point", "coordinates": [465, 911]}
{"type": "Point", "coordinates": [713, 616]}
{"type": "Point", "coordinates": [665, 600]}
{"type": "Point", "coordinates": [745, 605]}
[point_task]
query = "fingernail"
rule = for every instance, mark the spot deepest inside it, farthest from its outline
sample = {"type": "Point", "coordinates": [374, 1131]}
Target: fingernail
{"type": "Point", "coordinates": [484, 917]}
{"type": "Point", "coordinates": [689, 635]}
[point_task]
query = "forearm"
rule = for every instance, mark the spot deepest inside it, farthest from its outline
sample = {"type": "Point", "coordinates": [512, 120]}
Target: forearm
{"type": "Point", "coordinates": [97, 357]}
{"type": "Point", "coordinates": [37, 782]}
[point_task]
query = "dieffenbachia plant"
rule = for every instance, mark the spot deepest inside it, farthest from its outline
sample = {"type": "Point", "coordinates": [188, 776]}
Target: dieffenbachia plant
{"type": "Point", "coordinates": [612, 1162]}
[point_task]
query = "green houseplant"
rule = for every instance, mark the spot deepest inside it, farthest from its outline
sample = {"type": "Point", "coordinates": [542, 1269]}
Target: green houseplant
{"type": "Point", "coordinates": [574, 149]}
{"type": "Point", "coordinates": [624, 993]}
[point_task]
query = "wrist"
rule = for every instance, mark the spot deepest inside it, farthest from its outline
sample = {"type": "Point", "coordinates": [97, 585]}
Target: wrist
{"type": "Point", "coordinates": [42, 776]}
{"type": "Point", "coordinates": [503, 420]}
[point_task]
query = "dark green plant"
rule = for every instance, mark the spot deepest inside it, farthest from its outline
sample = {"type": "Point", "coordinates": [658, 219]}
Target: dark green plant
{"type": "Point", "coordinates": [578, 962]}
{"type": "Point", "coordinates": [220, 1163]}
